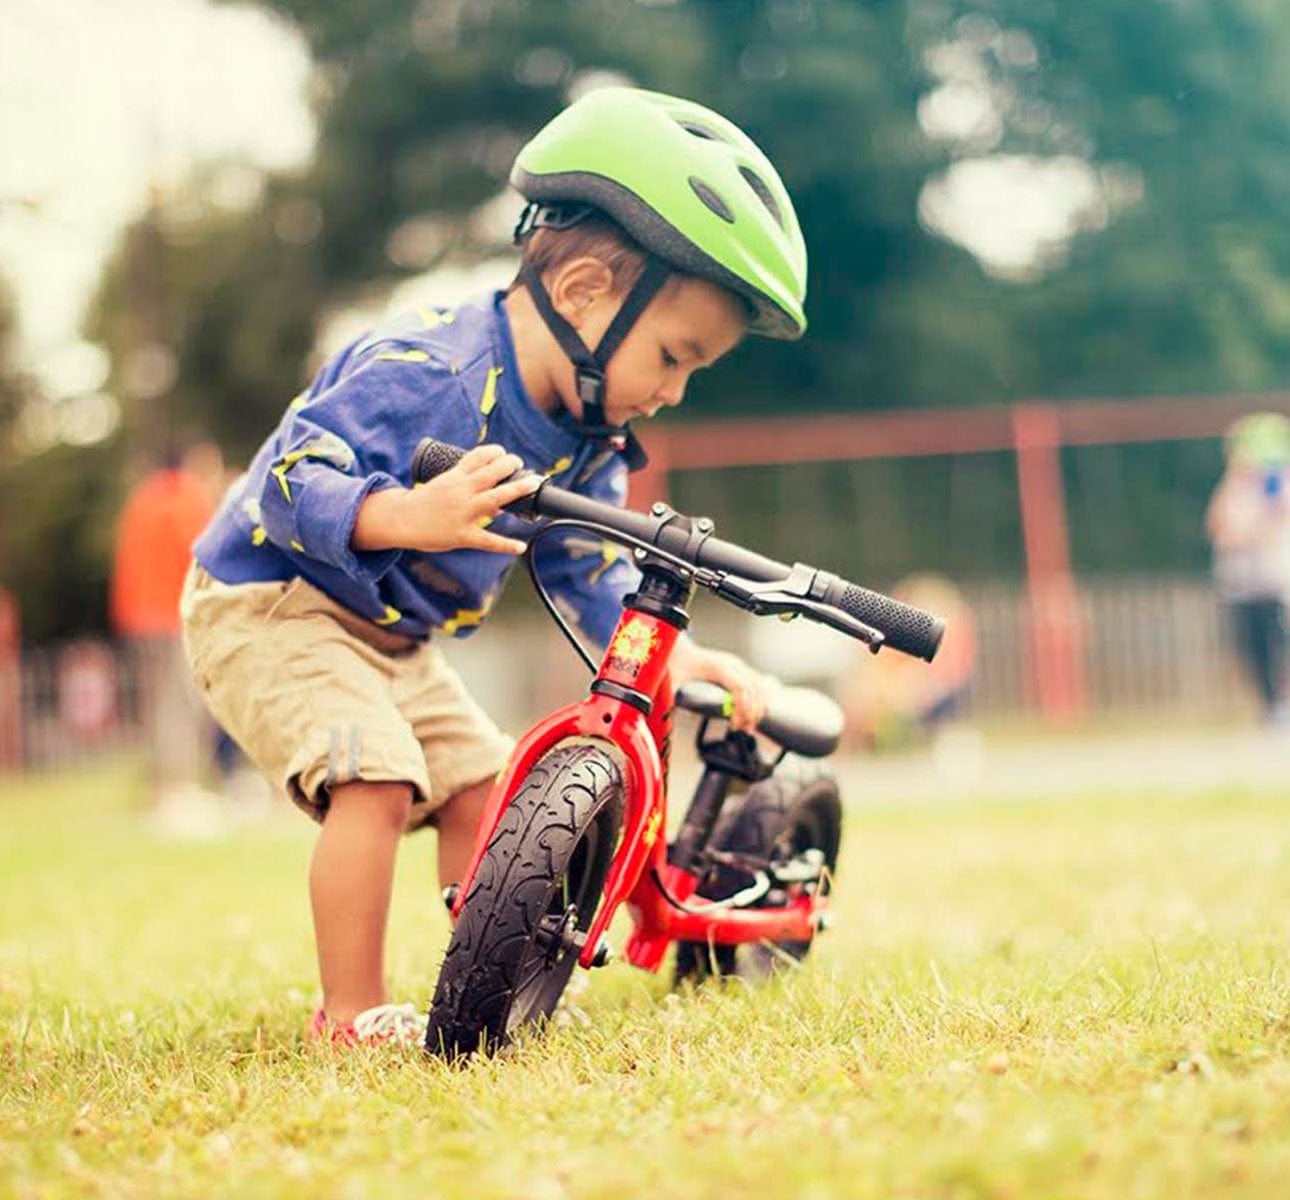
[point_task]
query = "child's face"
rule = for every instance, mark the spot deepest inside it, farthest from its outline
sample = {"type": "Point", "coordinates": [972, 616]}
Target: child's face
{"type": "Point", "coordinates": [688, 325]}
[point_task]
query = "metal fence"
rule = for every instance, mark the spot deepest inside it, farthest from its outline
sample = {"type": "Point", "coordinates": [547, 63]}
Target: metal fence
{"type": "Point", "coordinates": [77, 699]}
{"type": "Point", "coordinates": [1150, 646]}
{"type": "Point", "coordinates": [1153, 648]}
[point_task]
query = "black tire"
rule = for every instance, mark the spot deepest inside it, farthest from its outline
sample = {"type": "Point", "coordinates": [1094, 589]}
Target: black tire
{"type": "Point", "coordinates": [504, 966]}
{"type": "Point", "coordinates": [775, 819]}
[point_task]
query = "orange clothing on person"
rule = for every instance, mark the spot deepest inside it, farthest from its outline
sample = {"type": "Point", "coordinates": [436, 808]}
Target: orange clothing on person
{"type": "Point", "coordinates": [162, 517]}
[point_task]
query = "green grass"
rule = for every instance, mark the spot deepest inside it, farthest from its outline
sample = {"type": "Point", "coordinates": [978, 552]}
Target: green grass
{"type": "Point", "coordinates": [1019, 1000]}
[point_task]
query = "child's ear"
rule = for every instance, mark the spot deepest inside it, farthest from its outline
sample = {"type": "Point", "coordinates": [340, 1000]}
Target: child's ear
{"type": "Point", "coordinates": [578, 287]}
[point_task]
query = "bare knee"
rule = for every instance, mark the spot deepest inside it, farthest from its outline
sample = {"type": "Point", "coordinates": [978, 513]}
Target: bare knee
{"type": "Point", "coordinates": [378, 803]}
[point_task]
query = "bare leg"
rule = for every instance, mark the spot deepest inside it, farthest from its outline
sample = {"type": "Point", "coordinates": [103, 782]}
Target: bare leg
{"type": "Point", "coordinates": [458, 822]}
{"type": "Point", "coordinates": [350, 881]}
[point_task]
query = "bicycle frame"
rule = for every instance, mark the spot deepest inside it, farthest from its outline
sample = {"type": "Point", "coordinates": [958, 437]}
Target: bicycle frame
{"type": "Point", "coordinates": [630, 706]}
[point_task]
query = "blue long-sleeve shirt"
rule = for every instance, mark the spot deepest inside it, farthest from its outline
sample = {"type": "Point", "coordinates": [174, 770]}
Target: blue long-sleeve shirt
{"type": "Point", "coordinates": [447, 374]}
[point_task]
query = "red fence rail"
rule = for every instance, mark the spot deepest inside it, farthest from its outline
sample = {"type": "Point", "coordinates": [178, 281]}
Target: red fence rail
{"type": "Point", "coordinates": [1034, 432]}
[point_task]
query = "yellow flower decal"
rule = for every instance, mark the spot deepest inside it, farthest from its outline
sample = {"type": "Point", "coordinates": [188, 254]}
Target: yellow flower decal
{"type": "Point", "coordinates": [635, 642]}
{"type": "Point", "coordinates": [650, 836]}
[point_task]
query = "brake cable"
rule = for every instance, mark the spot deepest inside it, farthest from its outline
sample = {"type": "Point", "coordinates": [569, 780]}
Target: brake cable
{"type": "Point", "coordinates": [701, 575]}
{"type": "Point", "coordinates": [758, 598]}
{"type": "Point", "coordinates": [742, 899]}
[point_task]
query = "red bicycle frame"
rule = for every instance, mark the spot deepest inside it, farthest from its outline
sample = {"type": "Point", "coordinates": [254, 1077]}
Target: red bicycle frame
{"type": "Point", "coordinates": [630, 706]}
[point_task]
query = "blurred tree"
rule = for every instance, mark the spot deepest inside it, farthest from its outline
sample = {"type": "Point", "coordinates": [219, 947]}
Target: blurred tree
{"type": "Point", "coordinates": [235, 315]}
{"type": "Point", "coordinates": [830, 91]}
{"type": "Point", "coordinates": [14, 390]}
{"type": "Point", "coordinates": [14, 385]}
{"type": "Point", "coordinates": [55, 514]}
{"type": "Point", "coordinates": [1180, 278]}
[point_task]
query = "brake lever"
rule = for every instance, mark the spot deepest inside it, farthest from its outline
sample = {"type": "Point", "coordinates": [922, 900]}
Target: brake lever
{"type": "Point", "coordinates": [763, 599]}
{"type": "Point", "coordinates": [875, 639]}
{"type": "Point", "coordinates": [791, 596]}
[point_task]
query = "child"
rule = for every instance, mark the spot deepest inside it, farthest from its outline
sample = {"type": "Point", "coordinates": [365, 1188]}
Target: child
{"type": "Point", "coordinates": [1248, 521]}
{"type": "Point", "coordinates": [655, 236]}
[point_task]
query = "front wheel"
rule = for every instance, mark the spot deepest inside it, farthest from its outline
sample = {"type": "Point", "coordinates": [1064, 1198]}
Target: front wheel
{"type": "Point", "coordinates": [537, 887]}
{"type": "Point", "coordinates": [776, 821]}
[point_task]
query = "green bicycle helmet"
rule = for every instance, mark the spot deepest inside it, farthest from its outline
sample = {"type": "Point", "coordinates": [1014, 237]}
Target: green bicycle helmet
{"type": "Point", "coordinates": [1260, 439]}
{"type": "Point", "coordinates": [685, 183]}
{"type": "Point", "coordinates": [690, 188]}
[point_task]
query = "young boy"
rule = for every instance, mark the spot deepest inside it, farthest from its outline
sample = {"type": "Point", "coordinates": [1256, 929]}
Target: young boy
{"type": "Point", "coordinates": [655, 236]}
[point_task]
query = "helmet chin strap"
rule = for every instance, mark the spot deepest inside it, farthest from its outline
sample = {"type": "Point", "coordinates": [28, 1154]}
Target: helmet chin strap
{"type": "Point", "coordinates": [588, 365]}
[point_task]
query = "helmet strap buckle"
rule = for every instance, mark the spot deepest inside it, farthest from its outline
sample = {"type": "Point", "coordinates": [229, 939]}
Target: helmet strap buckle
{"type": "Point", "coordinates": [536, 215]}
{"type": "Point", "coordinates": [590, 383]}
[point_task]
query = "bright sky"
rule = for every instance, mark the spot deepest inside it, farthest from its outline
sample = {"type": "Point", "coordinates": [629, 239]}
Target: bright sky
{"type": "Point", "coordinates": [98, 98]}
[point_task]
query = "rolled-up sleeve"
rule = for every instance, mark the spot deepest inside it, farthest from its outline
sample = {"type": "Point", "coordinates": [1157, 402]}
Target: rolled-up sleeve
{"type": "Point", "coordinates": [310, 508]}
{"type": "Point", "coordinates": [334, 449]}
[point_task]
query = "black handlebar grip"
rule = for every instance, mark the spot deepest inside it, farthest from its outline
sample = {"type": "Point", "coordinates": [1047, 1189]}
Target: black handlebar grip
{"type": "Point", "coordinates": [905, 628]}
{"type": "Point", "coordinates": [433, 458]}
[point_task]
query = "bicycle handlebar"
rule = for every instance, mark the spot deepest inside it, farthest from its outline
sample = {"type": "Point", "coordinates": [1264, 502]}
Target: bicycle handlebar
{"type": "Point", "coordinates": [741, 576]}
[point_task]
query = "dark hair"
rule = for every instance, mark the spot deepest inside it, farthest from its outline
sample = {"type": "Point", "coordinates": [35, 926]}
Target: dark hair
{"type": "Point", "coordinates": [601, 237]}
{"type": "Point", "coordinates": [596, 236]}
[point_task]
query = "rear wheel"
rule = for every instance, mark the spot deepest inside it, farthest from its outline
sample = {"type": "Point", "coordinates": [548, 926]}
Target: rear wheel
{"type": "Point", "coordinates": [537, 888]}
{"type": "Point", "coordinates": [777, 821]}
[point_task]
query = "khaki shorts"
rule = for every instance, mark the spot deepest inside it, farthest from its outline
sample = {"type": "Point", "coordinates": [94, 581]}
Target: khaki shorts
{"type": "Point", "coordinates": [317, 696]}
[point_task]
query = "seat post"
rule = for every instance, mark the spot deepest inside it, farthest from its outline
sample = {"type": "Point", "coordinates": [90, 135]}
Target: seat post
{"type": "Point", "coordinates": [686, 852]}
{"type": "Point", "coordinates": [730, 756]}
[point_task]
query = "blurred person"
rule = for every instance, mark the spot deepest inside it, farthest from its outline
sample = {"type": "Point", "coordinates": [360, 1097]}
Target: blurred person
{"type": "Point", "coordinates": [162, 516]}
{"type": "Point", "coordinates": [656, 235]}
{"type": "Point", "coordinates": [11, 714]}
{"type": "Point", "coordinates": [891, 700]}
{"type": "Point", "coordinates": [1248, 522]}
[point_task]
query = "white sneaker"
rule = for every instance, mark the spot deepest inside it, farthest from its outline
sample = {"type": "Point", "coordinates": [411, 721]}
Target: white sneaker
{"type": "Point", "coordinates": [385, 1024]}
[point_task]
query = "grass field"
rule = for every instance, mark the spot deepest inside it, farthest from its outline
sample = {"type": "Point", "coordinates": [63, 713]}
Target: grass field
{"type": "Point", "coordinates": [1076, 999]}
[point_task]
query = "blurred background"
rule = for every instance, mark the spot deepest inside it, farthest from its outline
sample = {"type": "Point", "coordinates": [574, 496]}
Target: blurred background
{"type": "Point", "coordinates": [1050, 268]}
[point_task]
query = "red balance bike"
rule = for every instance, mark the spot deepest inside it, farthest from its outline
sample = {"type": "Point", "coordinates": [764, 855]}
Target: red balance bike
{"type": "Point", "coordinates": [574, 827]}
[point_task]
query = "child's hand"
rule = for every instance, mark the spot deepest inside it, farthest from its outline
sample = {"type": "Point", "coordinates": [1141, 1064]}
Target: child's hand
{"type": "Point", "coordinates": [449, 512]}
{"type": "Point", "coordinates": [749, 688]}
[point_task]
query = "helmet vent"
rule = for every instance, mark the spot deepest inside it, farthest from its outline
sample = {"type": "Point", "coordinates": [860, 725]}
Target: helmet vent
{"type": "Point", "coordinates": [764, 194]}
{"type": "Point", "coordinates": [712, 199]}
{"type": "Point", "coordinates": [701, 131]}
